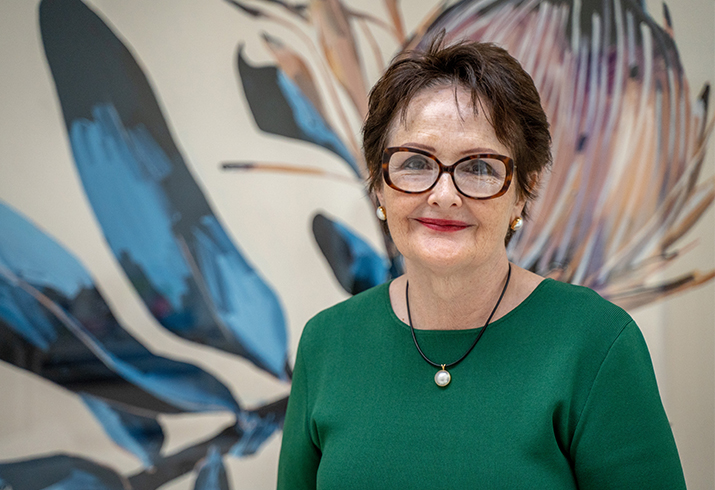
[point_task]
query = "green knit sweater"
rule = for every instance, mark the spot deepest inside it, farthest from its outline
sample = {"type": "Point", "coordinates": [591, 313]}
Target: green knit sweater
{"type": "Point", "coordinates": [558, 394]}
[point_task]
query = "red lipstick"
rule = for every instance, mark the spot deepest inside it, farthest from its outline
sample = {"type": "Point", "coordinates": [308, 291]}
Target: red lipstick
{"type": "Point", "coordinates": [445, 225]}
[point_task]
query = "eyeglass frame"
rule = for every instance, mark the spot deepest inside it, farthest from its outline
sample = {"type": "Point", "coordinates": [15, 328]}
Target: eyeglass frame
{"type": "Point", "coordinates": [449, 169]}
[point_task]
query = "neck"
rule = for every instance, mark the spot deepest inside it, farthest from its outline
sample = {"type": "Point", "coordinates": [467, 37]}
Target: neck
{"type": "Point", "coordinates": [455, 301]}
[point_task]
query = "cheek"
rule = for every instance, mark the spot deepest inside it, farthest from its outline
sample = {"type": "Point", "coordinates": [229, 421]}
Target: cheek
{"type": "Point", "coordinates": [494, 221]}
{"type": "Point", "coordinates": [396, 203]}
{"type": "Point", "coordinates": [399, 208]}
{"type": "Point", "coordinates": [397, 220]}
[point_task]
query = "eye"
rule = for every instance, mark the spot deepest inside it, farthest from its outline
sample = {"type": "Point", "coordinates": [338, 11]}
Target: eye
{"type": "Point", "coordinates": [416, 162]}
{"type": "Point", "coordinates": [480, 167]}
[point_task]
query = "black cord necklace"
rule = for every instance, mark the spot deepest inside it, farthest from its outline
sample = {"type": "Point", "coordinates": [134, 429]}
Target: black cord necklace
{"type": "Point", "coordinates": [442, 378]}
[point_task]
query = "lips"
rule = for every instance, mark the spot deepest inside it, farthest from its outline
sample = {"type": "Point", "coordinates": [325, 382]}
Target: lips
{"type": "Point", "coordinates": [444, 225]}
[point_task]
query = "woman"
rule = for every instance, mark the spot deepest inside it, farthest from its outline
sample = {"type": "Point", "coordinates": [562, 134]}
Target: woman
{"type": "Point", "coordinates": [468, 371]}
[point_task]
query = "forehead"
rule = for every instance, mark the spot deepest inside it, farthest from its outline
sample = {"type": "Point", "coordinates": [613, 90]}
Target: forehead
{"type": "Point", "coordinates": [456, 95]}
{"type": "Point", "coordinates": [443, 116]}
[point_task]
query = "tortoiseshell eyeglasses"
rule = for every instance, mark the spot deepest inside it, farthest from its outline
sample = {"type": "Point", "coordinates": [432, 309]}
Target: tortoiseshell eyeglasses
{"type": "Point", "coordinates": [478, 176]}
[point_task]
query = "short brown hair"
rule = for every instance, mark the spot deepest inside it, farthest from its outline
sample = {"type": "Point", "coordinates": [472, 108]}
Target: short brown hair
{"type": "Point", "coordinates": [495, 80]}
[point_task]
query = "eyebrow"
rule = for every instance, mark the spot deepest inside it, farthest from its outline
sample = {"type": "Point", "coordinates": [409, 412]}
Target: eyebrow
{"type": "Point", "coordinates": [470, 151]}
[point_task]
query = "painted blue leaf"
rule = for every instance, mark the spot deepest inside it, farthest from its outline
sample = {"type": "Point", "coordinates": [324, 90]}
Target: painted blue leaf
{"type": "Point", "coordinates": [171, 466]}
{"type": "Point", "coordinates": [355, 264]}
{"type": "Point", "coordinates": [138, 434]}
{"type": "Point", "coordinates": [154, 215]}
{"type": "Point", "coordinates": [55, 323]}
{"type": "Point", "coordinates": [279, 107]}
{"type": "Point", "coordinates": [42, 267]}
{"type": "Point", "coordinates": [257, 429]}
{"type": "Point", "coordinates": [60, 472]}
{"type": "Point", "coordinates": [39, 266]}
{"type": "Point", "coordinates": [19, 312]}
{"type": "Point", "coordinates": [212, 474]}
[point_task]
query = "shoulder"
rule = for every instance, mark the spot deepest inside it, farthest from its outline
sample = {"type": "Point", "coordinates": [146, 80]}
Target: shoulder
{"type": "Point", "coordinates": [549, 297]}
{"type": "Point", "coordinates": [577, 303]}
{"type": "Point", "coordinates": [362, 309]}
{"type": "Point", "coordinates": [367, 303]}
{"type": "Point", "coordinates": [573, 319]}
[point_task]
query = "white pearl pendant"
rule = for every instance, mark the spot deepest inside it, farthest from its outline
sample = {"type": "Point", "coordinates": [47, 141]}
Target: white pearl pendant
{"type": "Point", "coordinates": [442, 378]}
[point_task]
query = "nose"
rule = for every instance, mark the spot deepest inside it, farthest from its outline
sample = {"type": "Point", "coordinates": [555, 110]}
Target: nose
{"type": "Point", "coordinates": [444, 193]}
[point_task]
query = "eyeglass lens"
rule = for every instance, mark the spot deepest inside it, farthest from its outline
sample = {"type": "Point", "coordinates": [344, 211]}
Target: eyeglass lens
{"type": "Point", "coordinates": [478, 177]}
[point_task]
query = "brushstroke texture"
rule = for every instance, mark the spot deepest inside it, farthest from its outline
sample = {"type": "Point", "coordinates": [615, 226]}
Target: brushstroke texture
{"type": "Point", "coordinates": [60, 472]}
{"type": "Point", "coordinates": [280, 107]}
{"type": "Point", "coordinates": [332, 23]}
{"type": "Point", "coordinates": [356, 265]}
{"type": "Point", "coordinates": [257, 429]}
{"type": "Point", "coordinates": [154, 216]}
{"type": "Point", "coordinates": [253, 428]}
{"type": "Point", "coordinates": [71, 473]}
{"type": "Point", "coordinates": [54, 323]}
{"type": "Point", "coordinates": [211, 472]}
{"type": "Point", "coordinates": [140, 435]}
{"type": "Point", "coordinates": [293, 65]}
{"type": "Point", "coordinates": [83, 348]}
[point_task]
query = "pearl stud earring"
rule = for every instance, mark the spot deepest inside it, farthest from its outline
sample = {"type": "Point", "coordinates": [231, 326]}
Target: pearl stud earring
{"type": "Point", "coordinates": [380, 212]}
{"type": "Point", "coordinates": [517, 223]}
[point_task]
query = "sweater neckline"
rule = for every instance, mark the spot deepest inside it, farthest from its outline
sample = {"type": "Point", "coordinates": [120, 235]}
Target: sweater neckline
{"type": "Point", "coordinates": [504, 319]}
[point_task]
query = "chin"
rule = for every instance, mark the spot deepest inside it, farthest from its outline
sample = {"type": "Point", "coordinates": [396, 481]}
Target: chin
{"type": "Point", "coordinates": [443, 259]}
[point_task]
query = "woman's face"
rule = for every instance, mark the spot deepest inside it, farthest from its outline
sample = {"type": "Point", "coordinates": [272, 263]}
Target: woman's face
{"type": "Point", "coordinates": [441, 229]}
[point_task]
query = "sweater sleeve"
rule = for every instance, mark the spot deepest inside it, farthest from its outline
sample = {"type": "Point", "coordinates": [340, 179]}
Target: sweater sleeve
{"type": "Point", "coordinates": [299, 456]}
{"type": "Point", "coordinates": [623, 439]}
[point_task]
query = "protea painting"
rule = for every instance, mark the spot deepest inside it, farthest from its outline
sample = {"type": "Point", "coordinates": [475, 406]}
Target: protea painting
{"type": "Point", "coordinates": [629, 145]}
{"type": "Point", "coordinates": [628, 142]}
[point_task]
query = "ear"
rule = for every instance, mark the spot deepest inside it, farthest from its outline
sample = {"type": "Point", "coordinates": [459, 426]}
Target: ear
{"type": "Point", "coordinates": [534, 179]}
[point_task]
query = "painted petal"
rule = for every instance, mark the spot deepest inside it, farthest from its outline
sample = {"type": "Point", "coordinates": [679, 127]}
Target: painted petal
{"type": "Point", "coordinates": [355, 264]}
{"type": "Point", "coordinates": [149, 206]}
{"type": "Point", "coordinates": [280, 107]}
{"type": "Point", "coordinates": [339, 48]}
{"type": "Point", "coordinates": [55, 323]}
{"type": "Point", "coordinates": [212, 474]}
{"type": "Point", "coordinates": [396, 18]}
{"type": "Point", "coordinates": [138, 434]}
{"type": "Point", "coordinates": [60, 472]}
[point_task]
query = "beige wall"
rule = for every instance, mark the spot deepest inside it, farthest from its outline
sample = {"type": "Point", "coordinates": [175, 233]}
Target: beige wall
{"type": "Point", "coordinates": [188, 51]}
{"type": "Point", "coordinates": [685, 325]}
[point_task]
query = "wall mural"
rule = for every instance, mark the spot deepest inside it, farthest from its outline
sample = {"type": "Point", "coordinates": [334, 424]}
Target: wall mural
{"type": "Point", "coordinates": [629, 146]}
